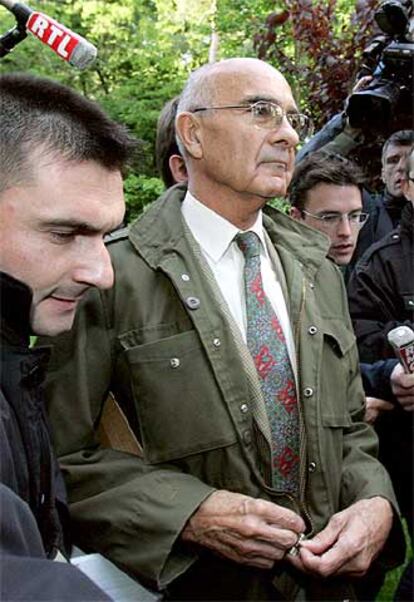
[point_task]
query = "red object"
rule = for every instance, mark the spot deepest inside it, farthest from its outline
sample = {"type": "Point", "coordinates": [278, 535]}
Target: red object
{"type": "Point", "coordinates": [50, 32]}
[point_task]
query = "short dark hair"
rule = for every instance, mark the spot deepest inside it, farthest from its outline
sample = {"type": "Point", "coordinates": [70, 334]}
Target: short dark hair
{"type": "Point", "coordinates": [402, 138]}
{"type": "Point", "coordinates": [37, 113]}
{"type": "Point", "coordinates": [165, 142]}
{"type": "Point", "coordinates": [322, 168]}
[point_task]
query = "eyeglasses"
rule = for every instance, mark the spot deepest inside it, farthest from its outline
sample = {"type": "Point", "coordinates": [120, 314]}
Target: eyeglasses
{"type": "Point", "coordinates": [269, 115]}
{"type": "Point", "coordinates": [332, 220]}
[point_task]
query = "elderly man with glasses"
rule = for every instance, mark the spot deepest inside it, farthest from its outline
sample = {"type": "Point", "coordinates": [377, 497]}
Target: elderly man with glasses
{"type": "Point", "coordinates": [258, 478]}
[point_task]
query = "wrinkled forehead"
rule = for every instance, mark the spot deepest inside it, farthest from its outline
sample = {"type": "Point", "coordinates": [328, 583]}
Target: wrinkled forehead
{"type": "Point", "coordinates": [250, 81]}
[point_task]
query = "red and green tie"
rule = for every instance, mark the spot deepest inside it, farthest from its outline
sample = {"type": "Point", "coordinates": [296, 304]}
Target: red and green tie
{"type": "Point", "coordinates": [267, 345]}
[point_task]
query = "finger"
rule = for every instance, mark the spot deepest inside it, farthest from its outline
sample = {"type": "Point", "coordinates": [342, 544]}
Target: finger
{"type": "Point", "coordinates": [274, 514]}
{"type": "Point", "coordinates": [322, 541]}
{"type": "Point", "coordinates": [254, 528]}
{"type": "Point", "coordinates": [333, 561]}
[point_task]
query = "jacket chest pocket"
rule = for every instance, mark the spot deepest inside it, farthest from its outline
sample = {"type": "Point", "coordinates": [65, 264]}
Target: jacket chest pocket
{"type": "Point", "coordinates": [179, 406]}
{"type": "Point", "coordinates": [336, 369]}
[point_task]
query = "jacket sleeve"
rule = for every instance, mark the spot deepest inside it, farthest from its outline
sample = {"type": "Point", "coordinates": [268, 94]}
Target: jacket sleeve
{"type": "Point", "coordinates": [120, 506]}
{"type": "Point", "coordinates": [373, 306]}
{"type": "Point", "coordinates": [376, 379]}
{"type": "Point", "coordinates": [26, 573]}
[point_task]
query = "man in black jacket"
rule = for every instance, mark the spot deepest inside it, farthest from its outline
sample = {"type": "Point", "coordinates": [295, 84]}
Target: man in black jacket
{"type": "Point", "coordinates": [381, 297]}
{"type": "Point", "coordinates": [60, 192]}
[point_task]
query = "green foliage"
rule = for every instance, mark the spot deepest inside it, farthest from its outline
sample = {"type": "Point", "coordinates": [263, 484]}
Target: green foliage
{"type": "Point", "coordinates": [140, 191]}
{"type": "Point", "coordinates": [281, 204]}
{"type": "Point", "coordinates": [146, 49]}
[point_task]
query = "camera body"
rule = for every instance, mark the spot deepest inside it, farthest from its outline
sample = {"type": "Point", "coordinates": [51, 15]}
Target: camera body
{"type": "Point", "coordinates": [386, 104]}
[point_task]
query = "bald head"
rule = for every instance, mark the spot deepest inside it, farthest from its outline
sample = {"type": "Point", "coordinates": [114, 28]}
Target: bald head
{"type": "Point", "coordinates": [204, 85]}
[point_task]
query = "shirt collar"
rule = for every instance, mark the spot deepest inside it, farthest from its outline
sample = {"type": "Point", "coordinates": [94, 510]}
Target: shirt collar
{"type": "Point", "coordinates": [203, 221]}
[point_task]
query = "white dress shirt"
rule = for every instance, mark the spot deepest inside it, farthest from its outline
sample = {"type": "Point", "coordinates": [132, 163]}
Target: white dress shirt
{"type": "Point", "coordinates": [215, 235]}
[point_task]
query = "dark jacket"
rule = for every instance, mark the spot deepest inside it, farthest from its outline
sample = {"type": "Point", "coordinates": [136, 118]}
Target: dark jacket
{"type": "Point", "coordinates": [32, 492]}
{"type": "Point", "coordinates": [381, 297]}
{"type": "Point", "coordinates": [384, 215]}
{"type": "Point", "coordinates": [162, 342]}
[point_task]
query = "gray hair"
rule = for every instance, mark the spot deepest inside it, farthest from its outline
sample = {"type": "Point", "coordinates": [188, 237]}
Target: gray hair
{"type": "Point", "coordinates": [198, 92]}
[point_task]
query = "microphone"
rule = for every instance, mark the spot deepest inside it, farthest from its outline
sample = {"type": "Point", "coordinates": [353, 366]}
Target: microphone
{"type": "Point", "coordinates": [70, 46]}
{"type": "Point", "coordinates": [402, 341]}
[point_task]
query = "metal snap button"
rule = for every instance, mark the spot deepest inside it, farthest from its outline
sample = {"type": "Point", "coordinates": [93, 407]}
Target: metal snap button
{"type": "Point", "coordinates": [247, 437]}
{"type": "Point", "coordinates": [193, 302]}
{"type": "Point", "coordinates": [308, 392]}
{"type": "Point", "coordinates": [174, 362]}
{"type": "Point", "coordinates": [244, 408]}
{"type": "Point", "coordinates": [216, 342]}
{"type": "Point", "coordinates": [185, 277]}
{"type": "Point", "coordinates": [312, 330]}
{"type": "Point", "coordinates": [312, 466]}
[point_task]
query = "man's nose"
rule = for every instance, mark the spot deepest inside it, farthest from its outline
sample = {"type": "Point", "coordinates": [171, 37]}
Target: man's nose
{"type": "Point", "coordinates": [344, 226]}
{"type": "Point", "coordinates": [95, 268]}
{"type": "Point", "coordinates": [285, 133]}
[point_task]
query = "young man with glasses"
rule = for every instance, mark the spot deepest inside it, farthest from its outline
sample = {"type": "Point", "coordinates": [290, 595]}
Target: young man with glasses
{"type": "Point", "coordinates": [326, 193]}
{"type": "Point", "coordinates": [212, 341]}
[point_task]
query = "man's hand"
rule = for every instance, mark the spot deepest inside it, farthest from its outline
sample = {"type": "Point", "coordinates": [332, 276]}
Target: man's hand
{"type": "Point", "coordinates": [244, 529]}
{"type": "Point", "coordinates": [403, 387]}
{"type": "Point", "coordinates": [350, 541]}
{"type": "Point", "coordinates": [374, 407]}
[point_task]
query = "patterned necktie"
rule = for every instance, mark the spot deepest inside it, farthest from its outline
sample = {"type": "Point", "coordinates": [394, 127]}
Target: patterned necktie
{"type": "Point", "coordinates": [267, 345]}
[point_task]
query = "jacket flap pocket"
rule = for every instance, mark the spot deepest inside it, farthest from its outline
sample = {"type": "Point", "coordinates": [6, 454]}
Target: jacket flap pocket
{"type": "Point", "coordinates": [180, 407]}
{"type": "Point", "coordinates": [340, 338]}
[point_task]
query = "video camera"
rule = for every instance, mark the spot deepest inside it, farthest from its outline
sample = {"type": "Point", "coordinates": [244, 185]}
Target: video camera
{"type": "Point", "coordinates": [386, 104]}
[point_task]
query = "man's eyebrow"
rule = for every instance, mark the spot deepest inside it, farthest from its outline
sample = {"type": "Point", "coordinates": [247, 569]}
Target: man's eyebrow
{"type": "Point", "coordinates": [78, 227]}
{"type": "Point", "coordinates": [267, 98]}
{"type": "Point", "coordinates": [393, 157]}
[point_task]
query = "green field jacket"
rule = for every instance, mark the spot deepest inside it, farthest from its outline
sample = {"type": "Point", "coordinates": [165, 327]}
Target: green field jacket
{"type": "Point", "coordinates": [159, 343]}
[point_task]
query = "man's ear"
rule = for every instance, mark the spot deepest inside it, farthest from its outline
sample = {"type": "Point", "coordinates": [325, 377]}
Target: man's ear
{"type": "Point", "coordinates": [178, 168]}
{"type": "Point", "coordinates": [295, 213]}
{"type": "Point", "coordinates": [188, 130]}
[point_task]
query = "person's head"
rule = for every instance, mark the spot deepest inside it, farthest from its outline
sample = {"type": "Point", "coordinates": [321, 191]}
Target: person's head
{"type": "Point", "coordinates": [394, 155]}
{"type": "Point", "coordinates": [169, 161]}
{"type": "Point", "coordinates": [234, 130]}
{"type": "Point", "coordinates": [61, 159]}
{"type": "Point", "coordinates": [325, 193]}
{"type": "Point", "coordinates": [408, 186]}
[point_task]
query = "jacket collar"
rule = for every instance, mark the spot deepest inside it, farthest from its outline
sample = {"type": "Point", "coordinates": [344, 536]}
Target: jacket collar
{"type": "Point", "coordinates": [15, 304]}
{"type": "Point", "coordinates": [160, 231]}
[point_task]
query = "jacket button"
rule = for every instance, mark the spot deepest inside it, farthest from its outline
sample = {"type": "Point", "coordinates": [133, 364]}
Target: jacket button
{"type": "Point", "coordinates": [247, 437]}
{"type": "Point", "coordinates": [244, 408]}
{"type": "Point", "coordinates": [193, 302]}
{"type": "Point", "coordinates": [185, 277]}
{"type": "Point", "coordinates": [308, 392]}
{"type": "Point", "coordinates": [312, 330]}
{"type": "Point", "coordinates": [174, 362]}
{"type": "Point", "coordinates": [216, 342]}
{"type": "Point", "coordinates": [311, 285]}
{"type": "Point", "coordinates": [312, 466]}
